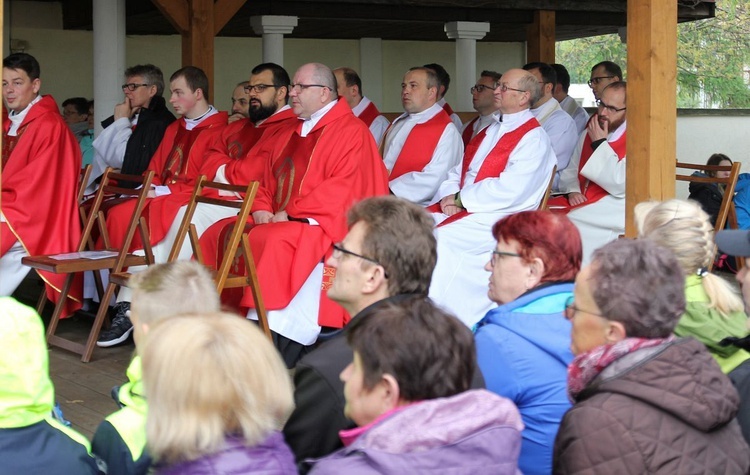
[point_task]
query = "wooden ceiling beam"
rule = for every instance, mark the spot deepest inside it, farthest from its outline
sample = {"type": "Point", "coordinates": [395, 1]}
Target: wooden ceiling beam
{"type": "Point", "coordinates": [540, 38]}
{"type": "Point", "coordinates": [224, 10]}
{"type": "Point", "coordinates": [177, 12]}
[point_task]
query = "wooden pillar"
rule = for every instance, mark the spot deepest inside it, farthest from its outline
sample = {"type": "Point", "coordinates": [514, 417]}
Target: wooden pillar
{"type": "Point", "coordinates": [540, 37]}
{"type": "Point", "coordinates": [651, 103]}
{"type": "Point", "coordinates": [198, 22]}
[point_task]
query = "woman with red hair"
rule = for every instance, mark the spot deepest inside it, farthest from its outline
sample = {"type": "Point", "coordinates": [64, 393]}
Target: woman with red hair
{"type": "Point", "coordinates": [523, 346]}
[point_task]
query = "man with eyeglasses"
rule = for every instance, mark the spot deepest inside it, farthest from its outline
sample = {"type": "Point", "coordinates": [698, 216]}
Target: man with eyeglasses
{"type": "Point", "coordinates": [506, 172]}
{"type": "Point", "coordinates": [602, 75]}
{"type": "Point", "coordinates": [41, 162]}
{"type": "Point", "coordinates": [326, 162]}
{"type": "Point", "coordinates": [560, 127]}
{"type": "Point", "coordinates": [350, 88]}
{"type": "Point", "coordinates": [594, 181]}
{"type": "Point", "coordinates": [483, 101]}
{"type": "Point", "coordinates": [420, 146]}
{"type": "Point", "coordinates": [132, 135]}
{"type": "Point", "coordinates": [387, 255]}
{"type": "Point", "coordinates": [177, 164]}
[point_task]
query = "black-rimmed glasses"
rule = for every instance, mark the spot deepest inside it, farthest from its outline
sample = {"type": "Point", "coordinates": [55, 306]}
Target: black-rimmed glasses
{"type": "Point", "coordinates": [598, 79]}
{"type": "Point", "coordinates": [339, 249]}
{"type": "Point", "coordinates": [612, 109]}
{"type": "Point", "coordinates": [571, 309]}
{"type": "Point", "coordinates": [496, 255]}
{"type": "Point", "coordinates": [301, 87]}
{"type": "Point", "coordinates": [132, 86]}
{"type": "Point", "coordinates": [479, 88]}
{"type": "Point", "coordinates": [257, 88]}
{"type": "Point", "coordinates": [506, 88]}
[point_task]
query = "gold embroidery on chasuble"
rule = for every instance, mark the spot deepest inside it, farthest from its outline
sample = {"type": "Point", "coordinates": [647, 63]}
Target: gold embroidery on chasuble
{"type": "Point", "coordinates": [9, 143]}
{"type": "Point", "coordinates": [283, 171]}
{"type": "Point", "coordinates": [234, 149]}
{"type": "Point", "coordinates": [329, 273]}
{"type": "Point", "coordinates": [174, 165]}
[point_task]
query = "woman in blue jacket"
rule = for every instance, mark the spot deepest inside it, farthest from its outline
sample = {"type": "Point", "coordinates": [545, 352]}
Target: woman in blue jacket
{"type": "Point", "coordinates": [523, 346]}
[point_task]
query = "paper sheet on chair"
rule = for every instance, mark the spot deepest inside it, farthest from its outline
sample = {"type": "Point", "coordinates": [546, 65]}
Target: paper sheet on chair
{"type": "Point", "coordinates": [85, 255]}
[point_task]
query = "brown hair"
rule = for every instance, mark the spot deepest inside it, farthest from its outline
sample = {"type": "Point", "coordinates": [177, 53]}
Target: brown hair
{"type": "Point", "coordinates": [428, 351]}
{"type": "Point", "coordinates": [399, 236]}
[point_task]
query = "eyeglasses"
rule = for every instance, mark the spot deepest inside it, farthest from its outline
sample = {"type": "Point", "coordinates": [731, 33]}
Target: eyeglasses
{"type": "Point", "coordinates": [599, 79]}
{"type": "Point", "coordinates": [479, 88]}
{"type": "Point", "coordinates": [257, 88]}
{"type": "Point", "coordinates": [571, 309]}
{"type": "Point", "coordinates": [612, 109]}
{"type": "Point", "coordinates": [302, 87]}
{"type": "Point", "coordinates": [495, 256]}
{"type": "Point", "coordinates": [339, 249]}
{"type": "Point", "coordinates": [505, 88]}
{"type": "Point", "coordinates": [132, 86]}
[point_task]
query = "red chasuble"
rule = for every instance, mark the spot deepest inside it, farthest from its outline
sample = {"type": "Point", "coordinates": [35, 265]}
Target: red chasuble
{"type": "Point", "coordinates": [494, 163]}
{"type": "Point", "coordinates": [592, 191]}
{"type": "Point", "coordinates": [39, 186]}
{"type": "Point", "coordinates": [369, 115]}
{"type": "Point", "coordinates": [468, 131]}
{"type": "Point", "coordinates": [177, 163]}
{"type": "Point", "coordinates": [420, 145]}
{"type": "Point", "coordinates": [319, 176]}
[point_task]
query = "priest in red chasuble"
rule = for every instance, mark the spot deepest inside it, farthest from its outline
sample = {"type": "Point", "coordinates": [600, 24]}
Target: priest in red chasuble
{"type": "Point", "coordinates": [328, 162]}
{"type": "Point", "coordinates": [177, 163]}
{"type": "Point", "coordinates": [41, 161]}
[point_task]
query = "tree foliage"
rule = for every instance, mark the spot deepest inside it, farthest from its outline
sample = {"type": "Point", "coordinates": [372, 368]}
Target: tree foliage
{"type": "Point", "coordinates": [713, 58]}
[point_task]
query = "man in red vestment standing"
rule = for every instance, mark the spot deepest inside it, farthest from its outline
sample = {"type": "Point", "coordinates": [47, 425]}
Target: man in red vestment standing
{"type": "Point", "coordinates": [40, 167]}
{"type": "Point", "coordinates": [328, 163]}
{"type": "Point", "coordinates": [350, 89]}
{"type": "Point", "coordinates": [177, 163]}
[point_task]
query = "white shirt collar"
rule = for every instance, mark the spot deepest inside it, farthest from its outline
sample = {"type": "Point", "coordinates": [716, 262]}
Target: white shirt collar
{"type": "Point", "coordinates": [16, 118]}
{"type": "Point", "coordinates": [190, 124]}
{"type": "Point", "coordinates": [308, 124]}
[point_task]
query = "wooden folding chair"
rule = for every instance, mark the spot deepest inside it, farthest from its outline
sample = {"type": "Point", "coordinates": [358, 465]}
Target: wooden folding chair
{"type": "Point", "coordinates": [238, 242]}
{"type": "Point", "coordinates": [70, 265]}
{"type": "Point", "coordinates": [545, 198]}
{"type": "Point", "coordinates": [727, 213]}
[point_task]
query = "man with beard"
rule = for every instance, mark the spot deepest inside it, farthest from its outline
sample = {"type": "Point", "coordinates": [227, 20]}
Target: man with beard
{"type": "Point", "coordinates": [595, 178]}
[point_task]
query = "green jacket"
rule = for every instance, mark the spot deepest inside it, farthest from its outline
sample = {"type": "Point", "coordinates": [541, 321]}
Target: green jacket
{"type": "Point", "coordinates": [31, 441]}
{"type": "Point", "coordinates": [709, 326]}
{"type": "Point", "coordinates": [120, 440]}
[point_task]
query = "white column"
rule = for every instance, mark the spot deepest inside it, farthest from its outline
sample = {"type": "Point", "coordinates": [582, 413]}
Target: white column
{"type": "Point", "coordinates": [466, 34]}
{"type": "Point", "coordinates": [371, 69]}
{"type": "Point", "coordinates": [109, 57]}
{"type": "Point", "coordinates": [273, 28]}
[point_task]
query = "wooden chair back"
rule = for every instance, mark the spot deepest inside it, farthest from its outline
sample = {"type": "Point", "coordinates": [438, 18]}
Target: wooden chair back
{"type": "Point", "coordinates": [727, 214]}
{"type": "Point", "coordinates": [114, 263]}
{"type": "Point", "coordinates": [545, 198]}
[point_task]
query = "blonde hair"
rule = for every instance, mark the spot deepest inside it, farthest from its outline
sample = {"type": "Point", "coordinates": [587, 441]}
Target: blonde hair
{"type": "Point", "coordinates": [684, 228]}
{"type": "Point", "coordinates": [208, 377]}
{"type": "Point", "coordinates": [175, 288]}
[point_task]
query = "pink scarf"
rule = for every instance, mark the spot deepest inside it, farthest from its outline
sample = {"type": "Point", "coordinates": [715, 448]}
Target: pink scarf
{"type": "Point", "coordinates": [587, 366]}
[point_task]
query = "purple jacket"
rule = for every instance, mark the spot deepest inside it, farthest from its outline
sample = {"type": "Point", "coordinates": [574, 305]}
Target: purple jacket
{"type": "Point", "coordinates": [472, 432]}
{"type": "Point", "coordinates": [270, 457]}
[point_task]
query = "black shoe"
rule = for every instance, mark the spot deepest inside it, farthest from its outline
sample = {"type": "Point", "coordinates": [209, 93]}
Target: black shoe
{"type": "Point", "coordinates": [121, 327]}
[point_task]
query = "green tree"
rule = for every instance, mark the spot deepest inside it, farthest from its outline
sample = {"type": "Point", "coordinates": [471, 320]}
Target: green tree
{"type": "Point", "coordinates": [713, 58]}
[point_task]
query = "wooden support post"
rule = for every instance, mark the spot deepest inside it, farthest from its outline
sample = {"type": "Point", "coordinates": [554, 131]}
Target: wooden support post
{"type": "Point", "coordinates": [540, 37]}
{"type": "Point", "coordinates": [651, 103]}
{"type": "Point", "coordinates": [198, 22]}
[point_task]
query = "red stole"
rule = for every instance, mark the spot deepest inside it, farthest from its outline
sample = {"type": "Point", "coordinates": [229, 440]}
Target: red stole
{"type": "Point", "coordinates": [469, 131]}
{"type": "Point", "coordinates": [469, 152]}
{"type": "Point", "coordinates": [496, 161]}
{"type": "Point", "coordinates": [448, 109]}
{"type": "Point", "coordinates": [420, 146]}
{"type": "Point", "coordinates": [369, 115]}
{"type": "Point", "coordinates": [176, 165]}
{"type": "Point", "coordinates": [592, 191]}
{"type": "Point", "coordinates": [9, 143]}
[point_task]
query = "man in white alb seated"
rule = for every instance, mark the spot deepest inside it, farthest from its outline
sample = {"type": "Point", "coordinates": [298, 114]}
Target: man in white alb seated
{"type": "Point", "coordinates": [483, 101]}
{"type": "Point", "coordinates": [595, 178]}
{"type": "Point", "coordinates": [556, 122]}
{"type": "Point", "coordinates": [350, 89]}
{"type": "Point", "coordinates": [420, 146]}
{"type": "Point", "coordinates": [507, 173]}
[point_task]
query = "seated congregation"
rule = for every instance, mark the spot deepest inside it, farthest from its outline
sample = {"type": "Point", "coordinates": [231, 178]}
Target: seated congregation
{"type": "Point", "coordinates": [427, 313]}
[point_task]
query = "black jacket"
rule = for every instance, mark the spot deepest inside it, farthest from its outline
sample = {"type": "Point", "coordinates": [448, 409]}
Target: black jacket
{"type": "Point", "coordinates": [708, 195]}
{"type": "Point", "coordinates": [312, 431]}
{"type": "Point", "coordinates": [152, 122]}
